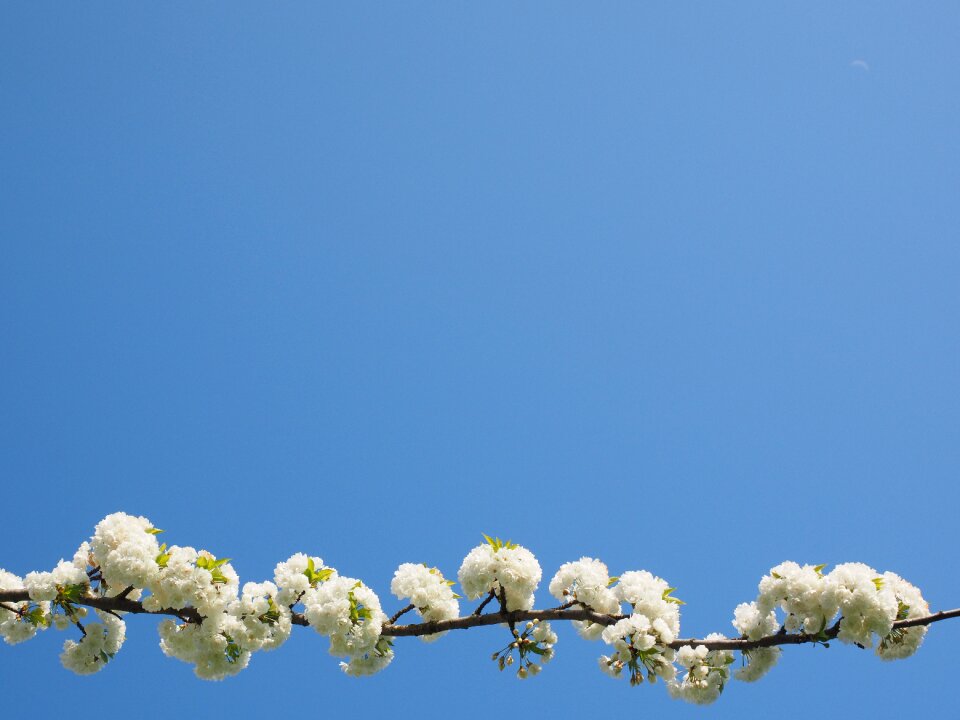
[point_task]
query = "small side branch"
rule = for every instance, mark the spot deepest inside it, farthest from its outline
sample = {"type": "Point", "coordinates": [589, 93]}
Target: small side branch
{"type": "Point", "coordinates": [396, 616]}
{"type": "Point", "coordinates": [485, 602]}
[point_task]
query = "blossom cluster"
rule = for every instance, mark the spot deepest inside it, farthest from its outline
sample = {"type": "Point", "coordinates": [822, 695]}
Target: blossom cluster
{"type": "Point", "coordinates": [707, 672]}
{"type": "Point", "coordinates": [867, 603]}
{"type": "Point", "coordinates": [506, 570]}
{"type": "Point", "coordinates": [428, 591]}
{"type": "Point", "coordinates": [216, 624]}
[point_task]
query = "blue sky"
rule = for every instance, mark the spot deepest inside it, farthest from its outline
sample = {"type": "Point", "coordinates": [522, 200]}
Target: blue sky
{"type": "Point", "coordinates": [669, 284]}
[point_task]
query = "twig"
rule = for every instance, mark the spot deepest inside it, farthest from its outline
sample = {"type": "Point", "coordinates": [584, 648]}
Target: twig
{"type": "Point", "coordinates": [482, 605]}
{"type": "Point", "coordinates": [396, 615]}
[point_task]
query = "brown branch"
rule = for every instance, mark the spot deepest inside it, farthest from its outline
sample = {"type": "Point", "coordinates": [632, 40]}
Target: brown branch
{"type": "Point", "coordinates": [398, 613]}
{"type": "Point", "coordinates": [482, 605]}
{"type": "Point", "coordinates": [123, 604]}
{"type": "Point", "coordinates": [111, 604]}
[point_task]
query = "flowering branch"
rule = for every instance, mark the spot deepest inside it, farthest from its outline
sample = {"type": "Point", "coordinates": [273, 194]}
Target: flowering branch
{"type": "Point", "coordinates": [214, 624]}
{"type": "Point", "coordinates": [122, 604]}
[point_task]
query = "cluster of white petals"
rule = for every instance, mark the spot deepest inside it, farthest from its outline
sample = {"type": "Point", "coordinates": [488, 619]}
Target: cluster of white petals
{"type": "Point", "coordinates": [187, 580]}
{"type": "Point", "coordinates": [14, 626]}
{"type": "Point", "coordinates": [639, 646]}
{"type": "Point", "coordinates": [43, 585]}
{"type": "Point", "coordinates": [586, 582]}
{"type": "Point", "coordinates": [292, 577]}
{"type": "Point", "coordinates": [542, 637]}
{"type": "Point", "coordinates": [903, 642]}
{"type": "Point", "coordinates": [100, 642]}
{"type": "Point", "coordinates": [649, 595]}
{"type": "Point", "coordinates": [428, 591]}
{"type": "Point", "coordinates": [707, 672]}
{"type": "Point", "coordinates": [640, 640]}
{"type": "Point", "coordinates": [508, 569]}
{"type": "Point", "coordinates": [868, 604]}
{"type": "Point", "coordinates": [349, 613]}
{"type": "Point", "coordinates": [209, 646]}
{"type": "Point", "coordinates": [753, 625]}
{"type": "Point", "coordinates": [126, 551]}
{"type": "Point", "coordinates": [262, 622]}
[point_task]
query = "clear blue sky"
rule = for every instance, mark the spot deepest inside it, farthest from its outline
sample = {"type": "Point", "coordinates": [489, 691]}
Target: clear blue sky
{"type": "Point", "coordinates": [671, 284]}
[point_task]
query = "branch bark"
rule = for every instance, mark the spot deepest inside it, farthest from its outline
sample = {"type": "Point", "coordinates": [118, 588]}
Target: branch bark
{"type": "Point", "coordinates": [124, 604]}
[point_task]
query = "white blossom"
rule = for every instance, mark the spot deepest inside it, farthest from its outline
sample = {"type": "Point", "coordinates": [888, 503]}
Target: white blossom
{"type": "Point", "coordinates": [125, 550]}
{"type": "Point", "coordinates": [511, 568]}
{"type": "Point", "coordinates": [262, 623]}
{"type": "Point", "coordinates": [639, 645]}
{"type": "Point", "coordinates": [22, 620]}
{"type": "Point", "coordinates": [903, 642]}
{"type": "Point", "coordinates": [43, 585]}
{"type": "Point", "coordinates": [99, 643]}
{"type": "Point", "coordinates": [192, 579]}
{"type": "Point", "coordinates": [428, 591]}
{"type": "Point", "coordinates": [707, 672]}
{"type": "Point", "coordinates": [209, 646]}
{"type": "Point", "coordinates": [586, 581]}
{"type": "Point", "coordinates": [867, 605]}
{"type": "Point", "coordinates": [292, 577]}
{"type": "Point", "coordinates": [349, 613]}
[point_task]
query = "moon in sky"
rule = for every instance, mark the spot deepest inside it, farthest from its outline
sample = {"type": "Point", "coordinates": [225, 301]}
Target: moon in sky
{"type": "Point", "coordinates": [862, 64]}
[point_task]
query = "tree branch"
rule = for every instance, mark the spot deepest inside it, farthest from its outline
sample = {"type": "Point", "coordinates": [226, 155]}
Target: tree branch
{"type": "Point", "coordinates": [189, 614]}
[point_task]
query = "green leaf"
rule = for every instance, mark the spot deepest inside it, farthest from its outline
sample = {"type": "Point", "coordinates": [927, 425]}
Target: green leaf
{"type": "Point", "coordinates": [818, 569]}
{"type": "Point", "coordinates": [212, 565]}
{"type": "Point", "coordinates": [232, 651]}
{"type": "Point", "coordinates": [666, 596]}
{"type": "Point", "coordinates": [878, 581]}
{"type": "Point", "coordinates": [613, 580]}
{"type": "Point", "coordinates": [154, 531]}
{"type": "Point", "coordinates": [164, 557]}
{"type": "Point", "coordinates": [37, 617]}
{"type": "Point", "coordinates": [776, 576]}
{"type": "Point", "coordinates": [70, 593]}
{"type": "Point", "coordinates": [272, 615]}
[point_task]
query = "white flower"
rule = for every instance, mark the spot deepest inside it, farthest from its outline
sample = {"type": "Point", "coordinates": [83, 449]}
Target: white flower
{"type": "Point", "coordinates": [368, 663]}
{"type": "Point", "coordinates": [707, 673]}
{"type": "Point", "coordinates": [903, 642]}
{"type": "Point", "coordinates": [586, 581]}
{"type": "Point", "coordinates": [43, 585]}
{"type": "Point", "coordinates": [209, 646]}
{"type": "Point", "coordinates": [759, 661]}
{"type": "Point", "coordinates": [511, 568]}
{"type": "Point", "coordinates": [648, 595]}
{"type": "Point", "coordinates": [799, 591]}
{"type": "Point", "coordinates": [639, 646]}
{"type": "Point", "coordinates": [262, 623]}
{"type": "Point", "coordinates": [189, 579]}
{"type": "Point", "coordinates": [293, 577]}
{"type": "Point", "coordinates": [428, 591]}
{"type": "Point", "coordinates": [349, 613]}
{"type": "Point", "coordinates": [100, 642]}
{"type": "Point", "coordinates": [125, 551]}
{"type": "Point", "coordinates": [867, 604]}
{"type": "Point", "coordinates": [753, 624]}
{"type": "Point", "coordinates": [27, 618]}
